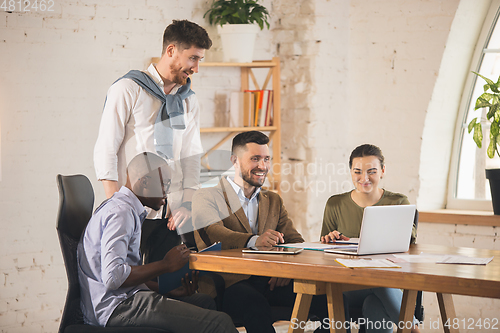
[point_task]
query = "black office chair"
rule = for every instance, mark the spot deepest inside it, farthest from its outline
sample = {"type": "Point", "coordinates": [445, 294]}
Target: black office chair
{"type": "Point", "coordinates": [356, 313]}
{"type": "Point", "coordinates": [76, 201]}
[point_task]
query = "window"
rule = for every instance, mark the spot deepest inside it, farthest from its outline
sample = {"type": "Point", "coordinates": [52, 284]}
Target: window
{"type": "Point", "coordinates": [468, 186]}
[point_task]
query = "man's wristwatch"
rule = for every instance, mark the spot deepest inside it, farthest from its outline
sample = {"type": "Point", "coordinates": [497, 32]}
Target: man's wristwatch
{"type": "Point", "coordinates": [187, 205]}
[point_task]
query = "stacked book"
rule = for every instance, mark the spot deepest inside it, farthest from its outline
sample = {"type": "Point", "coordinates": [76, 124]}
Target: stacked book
{"type": "Point", "coordinates": [256, 106]}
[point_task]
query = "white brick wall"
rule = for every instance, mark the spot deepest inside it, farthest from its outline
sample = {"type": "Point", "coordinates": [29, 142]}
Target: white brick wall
{"type": "Point", "coordinates": [347, 67]}
{"type": "Point", "coordinates": [56, 69]}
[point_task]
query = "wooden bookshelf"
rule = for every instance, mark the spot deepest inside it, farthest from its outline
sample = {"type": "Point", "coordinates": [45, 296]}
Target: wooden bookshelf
{"type": "Point", "coordinates": [272, 79]}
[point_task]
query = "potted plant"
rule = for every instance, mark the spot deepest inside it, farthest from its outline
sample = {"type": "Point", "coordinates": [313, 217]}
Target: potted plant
{"type": "Point", "coordinates": [238, 22]}
{"type": "Point", "coordinates": [490, 99]}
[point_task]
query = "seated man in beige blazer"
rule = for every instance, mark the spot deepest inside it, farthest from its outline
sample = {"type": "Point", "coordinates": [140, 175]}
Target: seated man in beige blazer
{"type": "Point", "coordinates": [239, 213]}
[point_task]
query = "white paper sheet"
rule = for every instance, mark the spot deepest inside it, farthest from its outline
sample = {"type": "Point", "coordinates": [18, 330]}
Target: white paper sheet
{"type": "Point", "coordinates": [439, 259]}
{"type": "Point", "coordinates": [463, 260]}
{"type": "Point", "coordinates": [367, 263]}
{"type": "Point", "coordinates": [422, 258]}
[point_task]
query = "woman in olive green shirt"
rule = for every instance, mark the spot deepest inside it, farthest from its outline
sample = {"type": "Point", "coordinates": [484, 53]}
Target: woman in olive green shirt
{"type": "Point", "coordinates": [344, 215]}
{"type": "Point", "coordinates": [342, 220]}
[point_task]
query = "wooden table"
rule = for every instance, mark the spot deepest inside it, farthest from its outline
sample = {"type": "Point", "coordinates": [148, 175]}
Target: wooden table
{"type": "Point", "coordinates": [316, 272]}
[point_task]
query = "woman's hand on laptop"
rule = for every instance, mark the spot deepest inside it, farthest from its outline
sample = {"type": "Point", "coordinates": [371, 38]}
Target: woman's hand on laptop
{"type": "Point", "coordinates": [333, 236]}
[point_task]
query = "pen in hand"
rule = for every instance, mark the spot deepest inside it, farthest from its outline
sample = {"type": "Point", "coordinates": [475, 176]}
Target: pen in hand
{"type": "Point", "coordinates": [337, 237]}
{"type": "Point", "coordinates": [270, 238]}
{"type": "Point", "coordinates": [281, 238]}
{"type": "Point", "coordinates": [333, 236]}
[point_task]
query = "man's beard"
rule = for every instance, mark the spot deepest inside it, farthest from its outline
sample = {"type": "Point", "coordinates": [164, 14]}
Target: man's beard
{"type": "Point", "coordinates": [178, 75]}
{"type": "Point", "coordinates": [247, 176]}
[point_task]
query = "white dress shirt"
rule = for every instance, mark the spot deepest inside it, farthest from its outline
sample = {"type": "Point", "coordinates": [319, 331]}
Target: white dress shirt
{"type": "Point", "coordinates": [127, 129]}
{"type": "Point", "coordinates": [250, 207]}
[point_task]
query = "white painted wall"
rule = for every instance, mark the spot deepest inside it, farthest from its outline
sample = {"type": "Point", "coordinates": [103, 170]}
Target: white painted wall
{"type": "Point", "coordinates": [352, 72]}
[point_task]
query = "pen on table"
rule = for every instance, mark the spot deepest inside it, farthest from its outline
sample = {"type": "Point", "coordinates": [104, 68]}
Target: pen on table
{"type": "Point", "coordinates": [340, 238]}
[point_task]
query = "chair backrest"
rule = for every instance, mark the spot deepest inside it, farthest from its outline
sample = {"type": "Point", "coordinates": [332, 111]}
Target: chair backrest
{"type": "Point", "coordinates": [76, 202]}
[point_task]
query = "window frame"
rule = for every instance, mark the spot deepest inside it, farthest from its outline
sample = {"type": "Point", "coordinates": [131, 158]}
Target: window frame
{"type": "Point", "coordinates": [492, 19]}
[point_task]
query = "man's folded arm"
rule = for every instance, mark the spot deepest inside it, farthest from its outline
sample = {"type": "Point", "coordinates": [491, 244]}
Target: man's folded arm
{"type": "Point", "coordinates": [144, 274]}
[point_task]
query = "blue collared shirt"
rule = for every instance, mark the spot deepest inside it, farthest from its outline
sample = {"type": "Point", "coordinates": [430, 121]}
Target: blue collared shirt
{"type": "Point", "coordinates": [251, 209]}
{"type": "Point", "coordinates": [106, 252]}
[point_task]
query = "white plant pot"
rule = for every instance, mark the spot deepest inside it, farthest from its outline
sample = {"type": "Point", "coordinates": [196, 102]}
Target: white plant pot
{"type": "Point", "coordinates": [238, 41]}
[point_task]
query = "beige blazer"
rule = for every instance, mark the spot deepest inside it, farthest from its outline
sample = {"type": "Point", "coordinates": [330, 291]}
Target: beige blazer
{"type": "Point", "coordinates": [218, 217]}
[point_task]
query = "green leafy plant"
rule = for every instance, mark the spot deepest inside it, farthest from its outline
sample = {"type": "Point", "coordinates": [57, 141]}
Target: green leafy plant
{"type": "Point", "coordinates": [490, 100]}
{"type": "Point", "coordinates": [237, 12]}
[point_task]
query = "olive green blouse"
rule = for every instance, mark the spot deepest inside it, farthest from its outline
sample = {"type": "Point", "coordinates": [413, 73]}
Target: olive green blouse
{"type": "Point", "coordinates": [344, 215]}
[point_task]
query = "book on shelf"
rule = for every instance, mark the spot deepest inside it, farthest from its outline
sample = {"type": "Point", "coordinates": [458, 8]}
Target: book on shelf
{"type": "Point", "coordinates": [263, 108]}
{"type": "Point", "coordinates": [236, 107]}
{"type": "Point", "coordinates": [257, 107]}
{"type": "Point", "coordinates": [258, 110]}
{"type": "Point", "coordinates": [247, 106]}
{"type": "Point", "coordinates": [269, 109]}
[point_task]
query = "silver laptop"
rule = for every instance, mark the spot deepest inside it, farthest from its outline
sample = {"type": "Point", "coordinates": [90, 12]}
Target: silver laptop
{"type": "Point", "coordinates": [384, 229]}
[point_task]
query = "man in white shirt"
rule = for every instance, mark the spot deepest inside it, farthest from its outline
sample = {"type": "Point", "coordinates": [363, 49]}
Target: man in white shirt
{"type": "Point", "coordinates": [116, 289]}
{"type": "Point", "coordinates": [130, 112]}
{"type": "Point", "coordinates": [129, 123]}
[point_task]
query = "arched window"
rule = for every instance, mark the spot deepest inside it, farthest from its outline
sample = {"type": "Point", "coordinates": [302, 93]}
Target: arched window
{"type": "Point", "coordinates": [467, 186]}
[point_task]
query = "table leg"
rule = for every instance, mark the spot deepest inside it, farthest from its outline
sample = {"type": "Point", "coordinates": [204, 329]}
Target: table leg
{"type": "Point", "coordinates": [300, 312]}
{"type": "Point", "coordinates": [407, 310]}
{"type": "Point", "coordinates": [335, 301]}
{"type": "Point", "coordinates": [447, 309]}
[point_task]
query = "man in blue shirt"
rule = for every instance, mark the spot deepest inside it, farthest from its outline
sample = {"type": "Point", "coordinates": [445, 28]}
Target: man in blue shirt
{"type": "Point", "coordinates": [116, 289]}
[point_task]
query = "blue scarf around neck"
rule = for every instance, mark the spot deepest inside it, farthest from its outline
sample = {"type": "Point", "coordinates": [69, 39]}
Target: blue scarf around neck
{"type": "Point", "coordinates": [171, 114]}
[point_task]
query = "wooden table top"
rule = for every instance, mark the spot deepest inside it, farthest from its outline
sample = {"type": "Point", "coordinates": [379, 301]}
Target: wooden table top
{"type": "Point", "coordinates": [472, 280]}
